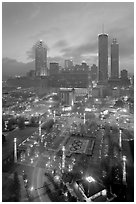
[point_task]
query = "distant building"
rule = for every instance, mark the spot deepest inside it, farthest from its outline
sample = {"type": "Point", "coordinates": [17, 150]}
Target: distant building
{"type": "Point", "coordinates": [31, 74]}
{"type": "Point", "coordinates": [76, 77]}
{"type": "Point", "coordinates": [41, 59]}
{"type": "Point", "coordinates": [81, 68]}
{"type": "Point", "coordinates": [54, 68]}
{"type": "Point", "coordinates": [67, 96]}
{"type": "Point", "coordinates": [103, 58]}
{"type": "Point", "coordinates": [68, 64]}
{"type": "Point", "coordinates": [124, 81]}
{"type": "Point", "coordinates": [115, 92]}
{"type": "Point", "coordinates": [114, 59]}
{"type": "Point", "coordinates": [124, 74]}
{"type": "Point", "coordinates": [95, 92]}
{"type": "Point", "coordinates": [94, 70]}
{"type": "Point", "coordinates": [101, 91]}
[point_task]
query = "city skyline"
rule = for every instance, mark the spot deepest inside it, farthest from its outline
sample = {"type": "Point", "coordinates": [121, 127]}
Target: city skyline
{"type": "Point", "coordinates": [66, 28]}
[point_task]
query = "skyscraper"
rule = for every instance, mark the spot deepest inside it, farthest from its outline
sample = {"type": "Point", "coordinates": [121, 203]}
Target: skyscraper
{"type": "Point", "coordinates": [40, 59]}
{"type": "Point", "coordinates": [68, 64]}
{"type": "Point", "coordinates": [103, 57]}
{"type": "Point", "coordinates": [114, 59]}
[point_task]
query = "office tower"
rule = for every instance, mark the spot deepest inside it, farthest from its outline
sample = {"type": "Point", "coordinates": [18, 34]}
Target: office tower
{"type": "Point", "coordinates": [94, 72]}
{"type": "Point", "coordinates": [54, 68]}
{"type": "Point", "coordinates": [124, 74]}
{"type": "Point", "coordinates": [68, 64]}
{"type": "Point", "coordinates": [103, 57]}
{"type": "Point", "coordinates": [114, 59]}
{"type": "Point", "coordinates": [40, 59]}
{"type": "Point", "coordinates": [124, 80]}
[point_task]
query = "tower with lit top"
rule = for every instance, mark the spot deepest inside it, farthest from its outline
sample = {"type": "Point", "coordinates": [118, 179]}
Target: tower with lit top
{"type": "Point", "coordinates": [40, 59]}
{"type": "Point", "coordinates": [103, 57]}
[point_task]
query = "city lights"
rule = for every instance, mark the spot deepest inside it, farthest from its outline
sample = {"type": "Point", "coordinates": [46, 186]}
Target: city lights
{"type": "Point", "coordinates": [68, 107]}
{"type": "Point", "coordinates": [90, 179]}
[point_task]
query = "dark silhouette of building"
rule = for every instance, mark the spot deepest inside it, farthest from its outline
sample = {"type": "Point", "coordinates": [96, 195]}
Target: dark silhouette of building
{"type": "Point", "coordinates": [114, 59]}
{"type": "Point", "coordinates": [103, 58]}
{"type": "Point", "coordinates": [124, 81]}
{"type": "Point", "coordinates": [31, 74]}
{"type": "Point", "coordinates": [94, 71]}
{"type": "Point", "coordinates": [54, 68]}
{"type": "Point", "coordinates": [68, 64]}
{"type": "Point", "coordinates": [124, 74]}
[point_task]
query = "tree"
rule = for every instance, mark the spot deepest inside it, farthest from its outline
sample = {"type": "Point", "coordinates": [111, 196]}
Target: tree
{"type": "Point", "coordinates": [3, 139]}
{"type": "Point", "coordinates": [10, 124]}
{"type": "Point", "coordinates": [21, 122]}
{"type": "Point", "coordinates": [119, 103]}
{"type": "Point", "coordinates": [3, 124]}
{"type": "Point", "coordinates": [33, 121]}
{"type": "Point", "coordinates": [16, 187]}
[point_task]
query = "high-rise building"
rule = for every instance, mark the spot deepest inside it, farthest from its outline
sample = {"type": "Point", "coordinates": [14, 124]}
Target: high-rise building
{"type": "Point", "coordinates": [68, 64]}
{"type": "Point", "coordinates": [103, 57]}
{"type": "Point", "coordinates": [94, 72]}
{"type": "Point", "coordinates": [41, 59]}
{"type": "Point", "coordinates": [124, 74]}
{"type": "Point", "coordinates": [54, 68]}
{"type": "Point", "coordinates": [114, 59]}
{"type": "Point", "coordinates": [125, 81]}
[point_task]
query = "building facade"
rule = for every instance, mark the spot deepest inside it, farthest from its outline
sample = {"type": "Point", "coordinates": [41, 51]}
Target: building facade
{"type": "Point", "coordinates": [41, 59]}
{"type": "Point", "coordinates": [67, 96]}
{"type": "Point", "coordinates": [94, 71]}
{"type": "Point", "coordinates": [68, 64]}
{"type": "Point", "coordinates": [124, 74]}
{"type": "Point", "coordinates": [54, 68]}
{"type": "Point", "coordinates": [103, 57]}
{"type": "Point", "coordinates": [114, 59]}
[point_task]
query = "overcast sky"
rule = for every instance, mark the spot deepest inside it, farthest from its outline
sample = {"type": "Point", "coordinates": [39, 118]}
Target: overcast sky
{"type": "Point", "coordinates": [70, 30]}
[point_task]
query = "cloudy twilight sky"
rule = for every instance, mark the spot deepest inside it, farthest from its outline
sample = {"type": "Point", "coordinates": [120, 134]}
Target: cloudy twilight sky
{"type": "Point", "coordinates": [70, 30]}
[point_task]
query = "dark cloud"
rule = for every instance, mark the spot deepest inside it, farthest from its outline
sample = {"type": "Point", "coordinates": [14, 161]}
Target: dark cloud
{"type": "Point", "coordinates": [11, 67]}
{"type": "Point", "coordinates": [78, 51]}
{"type": "Point", "coordinates": [60, 44]}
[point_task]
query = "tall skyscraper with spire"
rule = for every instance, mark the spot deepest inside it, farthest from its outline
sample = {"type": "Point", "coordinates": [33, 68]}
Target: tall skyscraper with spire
{"type": "Point", "coordinates": [114, 59]}
{"type": "Point", "coordinates": [41, 59]}
{"type": "Point", "coordinates": [103, 58]}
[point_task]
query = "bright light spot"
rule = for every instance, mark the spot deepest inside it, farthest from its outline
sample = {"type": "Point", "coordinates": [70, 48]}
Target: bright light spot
{"type": "Point", "coordinates": [104, 192]}
{"type": "Point", "coordinates": [32, 188]}
{"type": "Point", "coordinates": [124, 110]}
{"type": "Point", "coordinates": [88, 109]}
{"type": "Point", "coordinates": [63, 148]}
{"type": "Point", "coordinates": [15, 139]}
{"type": "Point", "coordinates": [90, 179]}
{"type": "Point", "coordinates": [124, 158]}
{"type": "Point", "coordinates": [57, 178]}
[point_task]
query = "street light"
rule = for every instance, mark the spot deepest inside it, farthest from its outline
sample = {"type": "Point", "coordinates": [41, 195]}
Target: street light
{"type": "Point", "coordinates": [15, 150]}
{"type": "Point", "coordinates": [124, 169]}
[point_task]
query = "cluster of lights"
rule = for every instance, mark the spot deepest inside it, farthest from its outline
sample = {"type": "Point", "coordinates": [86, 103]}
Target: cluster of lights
{"type": "Point", "coordinates": [90, 179]}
